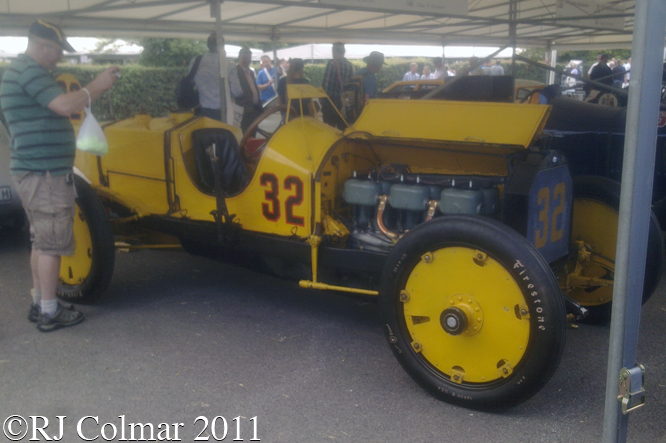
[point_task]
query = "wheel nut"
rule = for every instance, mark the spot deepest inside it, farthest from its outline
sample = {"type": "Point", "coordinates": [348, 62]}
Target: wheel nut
{"type": "Point", "coordinates": [404, 296]}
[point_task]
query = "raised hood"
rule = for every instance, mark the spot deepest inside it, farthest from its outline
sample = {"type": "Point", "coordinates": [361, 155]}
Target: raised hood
{"type": "Point", "coordinates": [485, 123]}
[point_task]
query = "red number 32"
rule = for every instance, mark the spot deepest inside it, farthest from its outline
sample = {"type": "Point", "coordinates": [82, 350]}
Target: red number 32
{"type": "Point", "coordinates": [270, 208]}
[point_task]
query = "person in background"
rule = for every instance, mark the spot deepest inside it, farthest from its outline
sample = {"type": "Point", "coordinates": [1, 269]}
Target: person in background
{"type": "Point", "coordinates": [266, 82]}
{"type": "Point", "coordinates": [601, 73]}
{"type": "Point", "coordinates": [412, 74]}
{"type": "Point", "coordinates": [373, 64]}
{"type": "Point", "coordinates": [43, 150]}
{"type": "Point", "coordinates": [440, 71]}
{"type": "Point", "coordinates": [295, 76]}
{"type": "Point", "coordinates": [427, 75]}
{"type": "Point", "coordinates": [572, 69]}
{"type": "Point", "coordinates": [589, 71]}
{"type": "Point", "coordinates": [243, 88]}
{"type": "Point", "coordinates": [207, 80]}
{"type": "Point", "coordinates": [619, 72]}
{"type": "Point", "coordinates": [336, 75]}
{"type": "Point", "coordinates": [627, 68]}
{"type": "Point", "coordinates": [475, 67]}
{"type": "Point", "coordinates": [497, 68]}
{"type": "Point", "coordinates": [284, 67]}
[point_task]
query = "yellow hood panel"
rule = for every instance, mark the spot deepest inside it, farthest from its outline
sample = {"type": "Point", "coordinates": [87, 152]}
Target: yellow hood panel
{"type": "Point", "coordinates": [475, 122]}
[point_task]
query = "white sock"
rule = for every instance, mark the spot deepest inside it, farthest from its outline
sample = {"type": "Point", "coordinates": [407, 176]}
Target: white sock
{"type": "Point", "coordinates": [36, 296]}
{"type": "Point", "coordinates": [49, 306]}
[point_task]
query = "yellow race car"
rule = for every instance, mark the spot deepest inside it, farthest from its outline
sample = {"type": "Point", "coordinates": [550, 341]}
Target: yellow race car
{"type": "Point", "coordinates": [454, 215]}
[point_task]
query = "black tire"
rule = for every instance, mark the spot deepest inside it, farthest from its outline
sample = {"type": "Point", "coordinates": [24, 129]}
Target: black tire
{"type": "Point", "coordinates": [85, 275]}
{"type": "Point", "coordinates": [512, 271]}
{"type": "Point", "coordinates": [604, 194]}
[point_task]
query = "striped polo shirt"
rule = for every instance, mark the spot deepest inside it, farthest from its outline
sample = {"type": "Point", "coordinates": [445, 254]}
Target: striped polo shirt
{"type": "Point", "coordinates": [41, 139]}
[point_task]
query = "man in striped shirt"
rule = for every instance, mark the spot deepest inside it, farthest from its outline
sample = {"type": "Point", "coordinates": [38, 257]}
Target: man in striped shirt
{"type": "Point", "coordinates": [43, 147]}
{"type": "Point", "coordinates": [337, 74]}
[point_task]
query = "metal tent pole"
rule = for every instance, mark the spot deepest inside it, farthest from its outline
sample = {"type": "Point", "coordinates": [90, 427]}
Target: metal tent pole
{"type": "Point", "coordinates": [553, 63]}
{"type": "Point", "coordinates": [215, 7]}
{"type": "Point", "coordinates": [635, 200]}
{"type": "Point", "coordinates": [276, 62]}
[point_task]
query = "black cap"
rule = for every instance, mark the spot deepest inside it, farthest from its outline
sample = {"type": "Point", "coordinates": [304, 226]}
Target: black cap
{"type": "Point", "coordinates": [49, 31]}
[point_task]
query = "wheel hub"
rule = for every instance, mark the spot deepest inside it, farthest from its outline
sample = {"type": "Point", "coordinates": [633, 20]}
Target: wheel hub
{"type": "Point", "coordinates": [453, 320]}
{"type": "Point", "coordinates": [462, 315]}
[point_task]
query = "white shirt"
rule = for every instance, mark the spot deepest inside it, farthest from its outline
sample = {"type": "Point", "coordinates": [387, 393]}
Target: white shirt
{"type": "Point", "coordinates": [409, 76]}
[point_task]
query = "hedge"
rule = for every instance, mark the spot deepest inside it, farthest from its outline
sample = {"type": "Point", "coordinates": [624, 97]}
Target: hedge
{"type": "Point", "coordinates": [147, 90]}
{"type": "Point", "coordinates": [141, 90]}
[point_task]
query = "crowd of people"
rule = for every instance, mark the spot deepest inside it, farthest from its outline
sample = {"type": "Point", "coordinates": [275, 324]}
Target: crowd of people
{"type": "Point", "coordinates": [440, 71]}
{"type": "Point", "coordinates": [606, 70]}
{"type": "Point", "coordinates": [250, 90]}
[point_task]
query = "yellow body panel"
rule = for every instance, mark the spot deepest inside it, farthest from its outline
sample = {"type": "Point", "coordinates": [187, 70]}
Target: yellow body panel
{"type": "Point", "coordinates": [486, 123]}
{"type": "Point", "coordinates": [292, 157]}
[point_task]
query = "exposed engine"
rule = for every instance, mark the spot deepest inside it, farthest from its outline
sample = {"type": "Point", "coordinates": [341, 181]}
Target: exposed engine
{"type": "Point", "coordinates": [384, 205]}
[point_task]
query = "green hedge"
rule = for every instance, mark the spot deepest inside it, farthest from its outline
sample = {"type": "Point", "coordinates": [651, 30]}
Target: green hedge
{"type": "Point", "coordinates": [141, 90]}
{"type": "Point", "coordinates": [146, 90]}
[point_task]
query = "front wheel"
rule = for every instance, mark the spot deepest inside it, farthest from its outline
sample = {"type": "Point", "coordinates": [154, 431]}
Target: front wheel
{"type": "Point", "coordinates": [472, 312]}
{"type": "Point", "coordinates": [85, 275]}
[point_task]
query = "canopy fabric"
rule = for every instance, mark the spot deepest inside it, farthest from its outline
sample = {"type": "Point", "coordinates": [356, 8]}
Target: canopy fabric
{"type": "Point", "coordinates": [485, 22]}
{"type": "Point", "coordinates": [322, 51]}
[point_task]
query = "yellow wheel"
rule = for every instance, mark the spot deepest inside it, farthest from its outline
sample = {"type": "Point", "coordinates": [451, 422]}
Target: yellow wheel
{"type": "Point", "coordinates": [85, 275]}
{"type": "Point", "coordinates": [472, 312]}
{"type": "Point", "coordinates": [588, 276]}
{"type": "Point", "coordinates": [74, 269]}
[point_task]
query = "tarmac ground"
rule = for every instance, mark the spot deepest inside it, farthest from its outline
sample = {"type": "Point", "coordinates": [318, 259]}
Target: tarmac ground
{"type": "Point", "coordinates": [179, 340]}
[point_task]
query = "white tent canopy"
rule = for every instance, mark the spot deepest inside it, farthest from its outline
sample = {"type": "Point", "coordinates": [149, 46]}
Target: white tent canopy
{"type": "Point", "coordinates": [560, 24]}
{"type": "Point", "coordinates": [322, 51]}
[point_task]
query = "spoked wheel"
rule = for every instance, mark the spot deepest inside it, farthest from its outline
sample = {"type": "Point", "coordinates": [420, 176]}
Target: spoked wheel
{"type": "Point", "coordinates": [589, 275]}
{"type": "Point", "coordinates": [252, 156]}
{"type": "Point", "coordinates": [472, 312]}
{"type": "Point", "coordinates": [85, 275]}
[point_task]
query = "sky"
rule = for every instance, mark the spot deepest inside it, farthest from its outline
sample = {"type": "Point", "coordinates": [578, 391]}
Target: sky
{"type": "Point", "coordinates": [17, 45]}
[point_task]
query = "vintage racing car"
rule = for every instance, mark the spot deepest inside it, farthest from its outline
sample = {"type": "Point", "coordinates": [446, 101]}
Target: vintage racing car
{"type": "Point", "coordinates": [454, 215]}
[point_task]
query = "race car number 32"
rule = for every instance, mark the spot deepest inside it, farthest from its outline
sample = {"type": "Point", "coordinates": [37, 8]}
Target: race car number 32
{"type": "Point", "coordinates": [270, 207]}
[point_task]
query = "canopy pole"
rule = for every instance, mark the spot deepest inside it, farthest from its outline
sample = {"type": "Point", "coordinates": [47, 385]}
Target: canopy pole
{"type": "Point", "coordinates": [276, 62]}
{"type": "Point", "coordinates": [553, 63]}
{"type": "Point", "coordinates": [513, 15]}
{"type": "Point", "coordinates": [215, 7]}
{"type": "Point", "coordinates": [635, 199]}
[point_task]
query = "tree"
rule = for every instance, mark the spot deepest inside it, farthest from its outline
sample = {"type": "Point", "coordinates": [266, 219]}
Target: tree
{"type": "Point", "coordinates": [170, 52]}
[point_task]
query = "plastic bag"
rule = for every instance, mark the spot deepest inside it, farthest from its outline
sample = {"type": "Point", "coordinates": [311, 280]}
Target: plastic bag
{"type": "Point", "coordinates": [91, 137]}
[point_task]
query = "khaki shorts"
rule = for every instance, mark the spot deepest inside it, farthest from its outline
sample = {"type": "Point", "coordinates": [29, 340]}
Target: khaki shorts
{"type": "Point", "coordinates": [50, 205]}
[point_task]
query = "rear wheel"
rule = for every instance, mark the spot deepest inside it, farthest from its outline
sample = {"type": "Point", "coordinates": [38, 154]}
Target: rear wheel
{"type": "Point", "coordinates": [472, 312]}
{"type": "Point", "coordinates": [594, 234]}
{"type": "Point", "coordinates": [85, 275]}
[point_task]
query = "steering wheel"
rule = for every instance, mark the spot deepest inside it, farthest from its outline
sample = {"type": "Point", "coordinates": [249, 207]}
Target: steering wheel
{"type": "Point", "coordinates": [253, 157]}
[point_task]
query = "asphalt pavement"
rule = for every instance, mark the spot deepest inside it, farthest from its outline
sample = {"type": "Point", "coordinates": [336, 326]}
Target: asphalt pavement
{"type": "Point", "coordinates": [179, 340]}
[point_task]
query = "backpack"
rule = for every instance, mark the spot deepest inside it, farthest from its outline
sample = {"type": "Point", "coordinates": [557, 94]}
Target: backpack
{"type": "Point", "coordinates": [353, 98]}
{"type": "Point", "coordinates": [187, 96]}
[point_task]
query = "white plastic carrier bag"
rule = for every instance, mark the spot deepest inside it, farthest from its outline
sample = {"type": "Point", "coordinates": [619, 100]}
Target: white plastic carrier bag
{"type": "Point", "coordinates": [91, 137]}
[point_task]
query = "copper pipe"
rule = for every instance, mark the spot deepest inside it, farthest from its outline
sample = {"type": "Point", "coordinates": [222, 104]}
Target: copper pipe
{"type": "Point", "coordinates": [380, 219]}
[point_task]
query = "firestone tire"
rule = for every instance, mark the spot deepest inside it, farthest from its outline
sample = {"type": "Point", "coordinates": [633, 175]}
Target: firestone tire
{"type": "Point", "coordinates": [472, 312]}
{"type": "Point", "coordinates": [595, 221]}
{"type": "Point", "coordinates": [85, 275]}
